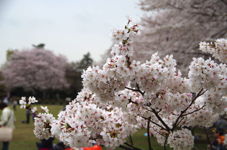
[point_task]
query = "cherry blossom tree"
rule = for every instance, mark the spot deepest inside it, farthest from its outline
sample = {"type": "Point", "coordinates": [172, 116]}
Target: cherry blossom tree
{"type": "Point", "coordinates": [125, 95]}
{"type": "Point", "coordinates": [176, 27]}
{"type": "Point", "coordinates": [35, 69]}
{"type": "Point", "coordinates": [2, 87]}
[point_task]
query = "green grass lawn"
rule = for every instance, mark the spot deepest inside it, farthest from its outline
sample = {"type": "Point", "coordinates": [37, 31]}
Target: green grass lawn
{"type": "Point", "coordinates": [24, 138]}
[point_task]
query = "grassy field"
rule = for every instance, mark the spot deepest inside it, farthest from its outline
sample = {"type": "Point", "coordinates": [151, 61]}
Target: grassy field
{"type": "Point", "coordinates": [24, 138]}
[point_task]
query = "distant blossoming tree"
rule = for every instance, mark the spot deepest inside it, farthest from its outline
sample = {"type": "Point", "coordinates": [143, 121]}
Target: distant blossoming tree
{"type": "Point", "coordinates": [125, 95]}
{"type": "Point", "coordinates": [176, 27]}
{"type": "Point", "coordinates": [35, 69]}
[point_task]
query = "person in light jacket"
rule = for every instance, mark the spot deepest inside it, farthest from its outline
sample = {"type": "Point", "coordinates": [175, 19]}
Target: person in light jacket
{"type": "Point", "coordinates": [7, 120]}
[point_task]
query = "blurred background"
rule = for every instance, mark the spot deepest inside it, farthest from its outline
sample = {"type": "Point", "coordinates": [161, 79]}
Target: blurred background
{"type": "Point", "coordinates": [78, 30]}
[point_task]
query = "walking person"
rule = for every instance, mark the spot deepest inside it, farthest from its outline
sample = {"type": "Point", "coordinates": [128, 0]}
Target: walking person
{"type": "Point", "coordinates": [28, 113]}
{"type": "Point", "coordinates": [7, 120]}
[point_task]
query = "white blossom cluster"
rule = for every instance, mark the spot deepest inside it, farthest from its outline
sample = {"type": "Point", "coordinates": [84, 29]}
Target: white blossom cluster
{"type": "Point", "coordinates": [82, 122]}
{"type": "Point", "coordinates": [207, 74]}
{"type": "Point", "coordinates": [122, 40]}
{"type": "Point", "coordinates": [43, 123]}
{"type": "Point", "coordinates": [181, 140]}
{"type": "Point", "coordinates": [211, 76]}
{"type": "Point", "coordinates": [26, 102]}
{"type": "Point", "coordinates": [126, 95]}
{"type": "Point", "coordinates": [218, 49]}
{"type": "Point", "coordinates": [45, 109]}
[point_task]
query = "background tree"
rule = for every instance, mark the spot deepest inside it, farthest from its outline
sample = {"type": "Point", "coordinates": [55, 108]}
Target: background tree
{"type": "Point", "coordinates": [35, 70]}
{"type": "Point", "coordinates": [2, 87]}
{"type": "Point", "coordinates": [176, 27]}
{"type": "Point", "coordinates": [73, 76]}
{"type": "Point", "coordinates": [74, 72]}
{"type": "Point", "coordinates": [9, 53]}
{"type": "Point", "coordinates": [41, 45]}
{"type": "Point", "coordinates": [85, 62]}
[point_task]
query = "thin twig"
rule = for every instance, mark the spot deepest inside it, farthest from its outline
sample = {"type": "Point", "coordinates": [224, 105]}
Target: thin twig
{"type": "Point", "coordinates": [148, 134]}
{"type": "Point", "coordinates": [194, 111]}
{"type": "Point", "coordinates": [130, 101]}
{"type": "Point", "coordinates": [207, 136]}
{"type": "Point", "coordinates": [134, 148]}
{"type": "Point", "coordinates": [125, 147]}
{"type": "Point", "coordinates": [165, 143]}
{"type": "Point", "coordinates": [131, 140]}
{"type": "Point", "coordinates": [201, 92]}
{"type": "Point", "coordinates": [160, 119]}
{"type": "Point", "coordinates": [155, 123]}
{"type": "Point", "coordinates": [136, 90]}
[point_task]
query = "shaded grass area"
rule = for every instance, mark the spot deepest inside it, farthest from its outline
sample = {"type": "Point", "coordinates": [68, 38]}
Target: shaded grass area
{"type": "Point", "coordinates": [140, 141]}
{"type": "Point", "coordinates": [24, 138]}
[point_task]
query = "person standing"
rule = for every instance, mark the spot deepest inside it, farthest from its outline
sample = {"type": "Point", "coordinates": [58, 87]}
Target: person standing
{"type": "Point", "coordinates": [28, 113]}
{"type": "Point", "coordinates": [6, 100]}
{"type": "Point", "coordinates": [7, 120]}
{"type": "Point", "coordinates": [15, 103]}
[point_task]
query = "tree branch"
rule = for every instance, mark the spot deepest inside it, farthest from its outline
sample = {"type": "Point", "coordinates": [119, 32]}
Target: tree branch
{"type": "Point", "coordinates": [219, 34]}
{"type": "Point", "coordinates": [125, 147]}
{"type": "Point", "coordinates": [155, 123]}
{"type": "Point", "coordinates": [136, 90]}
{"type": "Point", "coordinates": [131, 140]}
{"type": "Point", "coordinates": [194, 111]}
{"type": "Point", "coordinates": [148, 134]}
{"type": "Point", "coordinates": [167, 128]}
{"type": "Point", "coordinates": [133, 147]}
{"type": "Point", "coordinates": [207, 137]}
{"type": "Point", "coordinates": [130, 101]}
{"type": "Point", "coordinates": [201, 92]}
{"type": "Point", "coordinates": [165, 143]}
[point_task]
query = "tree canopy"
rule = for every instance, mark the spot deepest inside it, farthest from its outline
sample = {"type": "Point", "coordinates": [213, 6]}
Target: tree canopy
{"type": "Point", "coordinates": [176, 27]}
{"type": "Point", "coordinates": [35, 69]}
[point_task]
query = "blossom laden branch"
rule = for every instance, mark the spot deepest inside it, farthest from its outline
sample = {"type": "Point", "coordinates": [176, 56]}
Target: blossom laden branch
{"type": "Point", "coordinates": [125, 95]}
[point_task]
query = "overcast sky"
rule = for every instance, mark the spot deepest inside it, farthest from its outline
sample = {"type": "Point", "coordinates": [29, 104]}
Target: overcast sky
{"type": "Point", "coordinates": [68, 27]}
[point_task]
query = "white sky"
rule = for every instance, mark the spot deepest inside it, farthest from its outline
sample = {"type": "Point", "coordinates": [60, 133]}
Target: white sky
{"type": "Point", "coordinates": [68, 27]}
